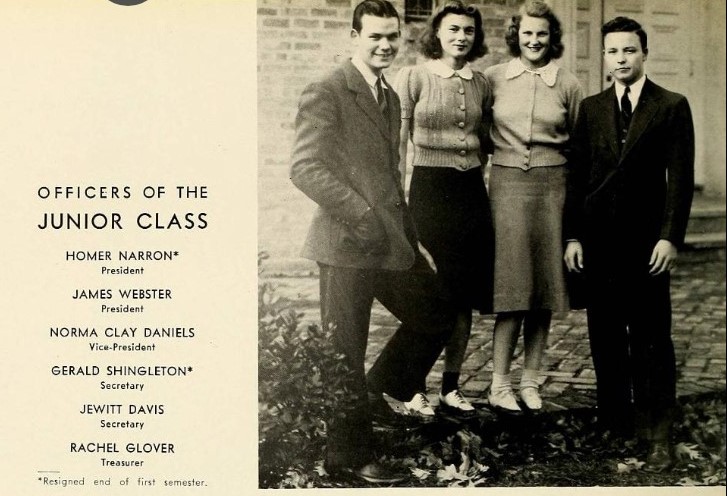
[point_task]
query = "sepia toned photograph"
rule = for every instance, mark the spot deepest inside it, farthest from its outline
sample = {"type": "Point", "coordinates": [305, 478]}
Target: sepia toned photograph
{"type": "Point", "coordinates": [491, 244]}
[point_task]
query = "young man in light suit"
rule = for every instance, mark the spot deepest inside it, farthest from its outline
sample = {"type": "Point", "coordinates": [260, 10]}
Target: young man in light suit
{"type": "Point", "coordinates": [345, 158]}
{"type": "Point", "coordinates": [630, 192]}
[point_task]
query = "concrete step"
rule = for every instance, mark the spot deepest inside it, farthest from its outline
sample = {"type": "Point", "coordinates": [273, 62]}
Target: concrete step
{"type": "Point", "coordinates": [703, 247]}
{"type": "Point", "coordinates": [706, 231]}
{"type": "Point", "coordinates": [707, 218]}
{"type": "Point", "coordinates": [701, 241]}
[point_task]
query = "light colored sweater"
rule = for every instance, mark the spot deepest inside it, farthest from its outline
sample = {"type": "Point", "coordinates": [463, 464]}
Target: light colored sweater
{"type": "Point", "coordinates": [445, 112]}
{"type": "Point", "coordinates": [534, 114]}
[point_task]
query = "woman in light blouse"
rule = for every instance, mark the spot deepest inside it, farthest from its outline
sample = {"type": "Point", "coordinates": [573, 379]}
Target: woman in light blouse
{"type": "Point", "coordinates": [442, 106]}
{"type": "Point", "coordinates": [534, 111]}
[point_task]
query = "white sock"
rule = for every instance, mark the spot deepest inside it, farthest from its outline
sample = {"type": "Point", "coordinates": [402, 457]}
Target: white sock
{"type": "Point", "coordinates": [500, 383]}
{"type": "Point", "coordinates": [529, 379]}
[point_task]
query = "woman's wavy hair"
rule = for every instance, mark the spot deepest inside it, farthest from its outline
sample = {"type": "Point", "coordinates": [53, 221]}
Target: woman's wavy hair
{"type": "Point", "coordinates": [536, 8]}
{"type": "Point", "coordinates": [429, 44]}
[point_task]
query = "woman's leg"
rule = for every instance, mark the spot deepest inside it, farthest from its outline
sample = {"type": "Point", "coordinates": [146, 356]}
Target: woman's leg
{"type": "Point", "coordinates": [454, 355]}
{"type": "Point", "coordinates": [455, 350]}
{"type": "Point", "coordinates": [535, 337]}
{"type": "Point", "coordinates": [507, 330]}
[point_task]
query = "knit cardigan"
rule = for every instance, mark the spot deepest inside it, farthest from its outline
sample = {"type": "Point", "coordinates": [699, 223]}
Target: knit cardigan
{"type": "Point", "coordinates": [532, 120]}
{"type": "Point", "coordinates": [445, 115]}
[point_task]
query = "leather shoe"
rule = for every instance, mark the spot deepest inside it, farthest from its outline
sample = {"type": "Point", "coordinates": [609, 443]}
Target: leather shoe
{"type": "Point", "coordinates": [373, 472]}
{"type": "Point", "coordinates": [659, 457]}
{"type": "Point", "coordinates": [384, 416]}
{"type": "Point", "coordinates": [504, 401]}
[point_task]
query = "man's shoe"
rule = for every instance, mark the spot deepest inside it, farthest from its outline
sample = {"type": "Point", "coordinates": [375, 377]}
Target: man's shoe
{"type": "Point", "coordinates": [419, 406]}
{"type": "Point", "coordinates": [659, 457]}
{"type": "Point", "coordinates": [531, 398]}
{"type": "Point", "coordinates": [454, 402]}
{"type": "Point", "coordinates": [373, 472]}
{"type": "Point", "coordinates": [504, 401]}
{"type": "Point", "coordinates": [384, 416]}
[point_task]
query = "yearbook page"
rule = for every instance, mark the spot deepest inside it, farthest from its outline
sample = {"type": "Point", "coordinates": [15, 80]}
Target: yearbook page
{"type": "Point", "coordinates": [128, 259]}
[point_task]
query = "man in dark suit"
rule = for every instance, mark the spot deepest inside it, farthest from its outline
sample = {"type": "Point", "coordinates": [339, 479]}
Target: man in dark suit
{"type": "Point", "coordinates": [630, 192]}
{"type": "Point", "coordinates": [345, 158]}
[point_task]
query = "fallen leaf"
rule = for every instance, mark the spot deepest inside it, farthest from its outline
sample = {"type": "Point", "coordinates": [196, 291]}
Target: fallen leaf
{"type": "Point", "coordinates": [320, 469]}
{"type": "Point", "coordinates": [688, 481]}
{"type": "Point", "coordinates": [683, 450]}
{"type": "Point", "coordinates": [420, 473]}
{"type": "Point", "coordinates": [628, 465]}
{"type": "Point", "coordinates": [450, 472]}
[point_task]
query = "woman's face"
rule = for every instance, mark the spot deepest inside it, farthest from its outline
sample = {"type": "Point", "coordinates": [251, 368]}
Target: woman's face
{"type": "Point", "coordinates": [534, 40]}
{"type": "Point", "coordinates": [456, 34]}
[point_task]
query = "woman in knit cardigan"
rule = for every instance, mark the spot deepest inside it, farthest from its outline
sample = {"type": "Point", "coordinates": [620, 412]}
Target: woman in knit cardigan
{"type": "Point", "coordinates": [442, 106]}
{"type": "Point", "coordinates": [534, 111]}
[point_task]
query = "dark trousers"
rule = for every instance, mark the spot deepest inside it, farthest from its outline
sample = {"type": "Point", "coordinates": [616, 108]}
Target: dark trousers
{"type": "Point", "coordinates": [412, 296]}
{"type": "Point", "coordinates": [629, 326]}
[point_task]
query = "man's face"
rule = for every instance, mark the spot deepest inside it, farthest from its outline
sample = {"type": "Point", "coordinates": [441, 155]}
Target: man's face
{"type": "Point", "coordinates": [378, 41]}
{"type": "Point", "coordinates": [624, 56]}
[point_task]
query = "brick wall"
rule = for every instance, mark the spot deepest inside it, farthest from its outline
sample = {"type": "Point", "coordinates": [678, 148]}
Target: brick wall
{"type": "Point", "coordinates": [298, 41]}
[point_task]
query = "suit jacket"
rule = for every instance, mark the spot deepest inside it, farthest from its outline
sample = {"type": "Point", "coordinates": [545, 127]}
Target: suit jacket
{"type": "Point", "coordinates": [622, 200]}
{"type": "Point", "coordinates": [345, 158]}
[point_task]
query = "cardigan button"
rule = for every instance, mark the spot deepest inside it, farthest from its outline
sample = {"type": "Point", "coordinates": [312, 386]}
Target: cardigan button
{"type": "Point", "coordinates": [460, 124]}
{"type": "Point", "coordinates": [463, 152]}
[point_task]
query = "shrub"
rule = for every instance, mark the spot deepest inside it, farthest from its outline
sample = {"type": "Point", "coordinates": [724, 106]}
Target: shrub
{"type": "Point", "coordinates": [293, 401]}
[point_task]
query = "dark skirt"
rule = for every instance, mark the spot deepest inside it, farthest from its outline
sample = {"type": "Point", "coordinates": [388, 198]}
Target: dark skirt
{"type": "Point", "coordinates": [451, 211]}
{"type": "Point", "coordinates": [527, 207]}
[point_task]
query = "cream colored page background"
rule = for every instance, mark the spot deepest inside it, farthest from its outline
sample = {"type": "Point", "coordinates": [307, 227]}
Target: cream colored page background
{"type": "Point", "coordinates": [160, 94]}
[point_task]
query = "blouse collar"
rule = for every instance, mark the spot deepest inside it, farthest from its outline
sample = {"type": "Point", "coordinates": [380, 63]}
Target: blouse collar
{"type": "Point", "coordinates": [441, 69]}
{"type": "Point", "coordinates": [548, 72]}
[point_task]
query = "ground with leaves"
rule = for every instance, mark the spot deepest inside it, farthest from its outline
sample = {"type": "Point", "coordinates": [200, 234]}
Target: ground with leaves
{"type": "Point", "coordinates": [550, 449]}
{"type": "Point", "coordinates": [562, 448]}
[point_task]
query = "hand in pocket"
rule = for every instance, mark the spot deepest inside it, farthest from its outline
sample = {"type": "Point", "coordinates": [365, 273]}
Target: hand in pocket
{"type": "Point", "coordinates": [370, 233]}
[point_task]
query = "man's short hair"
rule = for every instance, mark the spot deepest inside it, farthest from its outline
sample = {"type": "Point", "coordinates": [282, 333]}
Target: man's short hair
{"type": "Point", "coordinates": [625, 25]}
{"type": "Point", "coordinates": [378, 8]}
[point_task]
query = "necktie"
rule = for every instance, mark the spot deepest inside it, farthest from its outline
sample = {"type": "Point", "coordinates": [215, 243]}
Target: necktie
{"type": "Point", "coordinates": [381, 97]}
{"type": "Point", "coordinates": [626, 109]}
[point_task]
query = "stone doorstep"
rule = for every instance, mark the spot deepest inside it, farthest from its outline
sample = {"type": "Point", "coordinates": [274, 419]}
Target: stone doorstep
{"type": "Point", "coordinates": [705, 239]}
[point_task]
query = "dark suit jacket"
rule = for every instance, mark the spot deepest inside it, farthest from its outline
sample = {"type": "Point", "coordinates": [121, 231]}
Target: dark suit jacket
{"type": "Point", "coordinates": [345, 158]}
{"type": "Point", "coordinates": [622, 201]}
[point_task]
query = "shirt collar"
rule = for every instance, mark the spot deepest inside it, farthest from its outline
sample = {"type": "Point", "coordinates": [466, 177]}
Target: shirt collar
{"type": "Point", "coordinates": [436, 66]}
{"type": "Point", "coordinates": [548, 72]}
{"type": "Point", "coordinates": [635, 89]}
{"type": "Point", "coordinates": [366, 72]}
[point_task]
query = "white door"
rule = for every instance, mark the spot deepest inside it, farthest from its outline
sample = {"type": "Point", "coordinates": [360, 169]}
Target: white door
{"type": "Point", "coordinates": [589, 68]}
{"type": "Point", "coordinates": [667, 25]}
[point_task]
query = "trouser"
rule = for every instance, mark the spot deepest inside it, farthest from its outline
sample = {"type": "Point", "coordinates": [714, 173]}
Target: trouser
{"type": "Point", "coordinates": [412, 296]}
{"type": "Point", "coordinates": [629, 326]}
